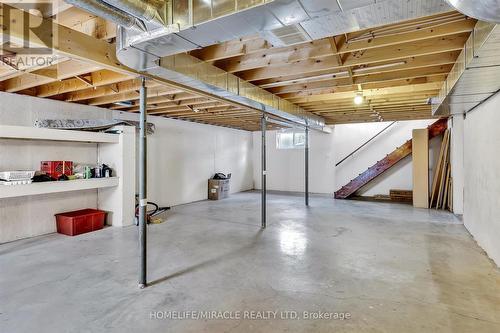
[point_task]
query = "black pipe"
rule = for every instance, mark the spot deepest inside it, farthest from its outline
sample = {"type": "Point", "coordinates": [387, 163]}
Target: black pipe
{"type": "Point", "coordinates": [364, 144]}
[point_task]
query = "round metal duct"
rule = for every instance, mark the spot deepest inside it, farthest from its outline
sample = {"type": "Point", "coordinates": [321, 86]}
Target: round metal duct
{"type": "Point", "coordinates": [485, 10]}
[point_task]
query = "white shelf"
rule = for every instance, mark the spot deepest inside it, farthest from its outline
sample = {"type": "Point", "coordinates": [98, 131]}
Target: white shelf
{"type": "Point", "coordinates": [11, 191]}
{"type": "Point", "coordinates": [35, 133]}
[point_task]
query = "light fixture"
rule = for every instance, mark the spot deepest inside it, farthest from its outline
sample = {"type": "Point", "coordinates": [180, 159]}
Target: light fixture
{"type": "Point", "coordinates": [358, 99]}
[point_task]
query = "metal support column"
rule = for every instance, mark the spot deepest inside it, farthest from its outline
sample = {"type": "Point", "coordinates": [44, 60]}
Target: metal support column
{"type": "Point", "coordinates": [263, 124]}
{"type": "Point", "coordinates": [142, 186]}
{"type": "Point", "coordinates": [306, 167]}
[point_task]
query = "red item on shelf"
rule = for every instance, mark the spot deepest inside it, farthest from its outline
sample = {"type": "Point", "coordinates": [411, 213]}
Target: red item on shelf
{"type": "Point", "coordinates": [80, 221]}
{"type": "Point", "coordinates": [56, 169]}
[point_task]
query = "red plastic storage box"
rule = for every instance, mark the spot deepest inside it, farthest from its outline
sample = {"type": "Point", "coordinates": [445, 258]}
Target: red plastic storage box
{"type": "Point", "coordinates": [80, 221]}
{"type": "Point", "coordinates": [57, 168]}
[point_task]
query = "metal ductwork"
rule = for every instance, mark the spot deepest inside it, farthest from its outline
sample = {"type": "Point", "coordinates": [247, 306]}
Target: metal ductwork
{"type": "Point", "coordinates": [474, 77]}
{"type": "Point", "coordinates": [192, 24]}
{"type": "Point", "coordinates": [485, 10]}
{"type": "Point", "coordinates": [192, 72]}
{"type": "Point", "coordinates": [110, 13]}
{"type": "Point", "coordinates": [153, 14]}
{"type": "Point", "coordinates": [138, 8]}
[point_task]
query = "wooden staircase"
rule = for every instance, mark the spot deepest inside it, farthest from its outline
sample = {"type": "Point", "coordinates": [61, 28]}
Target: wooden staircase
{"type": "Point", "coordinates": [386, 163]}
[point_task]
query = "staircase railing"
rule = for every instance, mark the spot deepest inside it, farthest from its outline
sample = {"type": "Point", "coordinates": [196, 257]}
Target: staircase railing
{"type": "Point", "coordinates": [364, 144]}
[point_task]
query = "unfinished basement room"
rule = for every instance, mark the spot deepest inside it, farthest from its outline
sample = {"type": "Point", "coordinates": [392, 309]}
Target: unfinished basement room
{"type": "Point", "coordinates": [250, 166]}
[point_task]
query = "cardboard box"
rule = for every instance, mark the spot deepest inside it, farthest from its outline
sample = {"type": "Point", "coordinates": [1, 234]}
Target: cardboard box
{"type": "Point", "coordinates": [218, 189]}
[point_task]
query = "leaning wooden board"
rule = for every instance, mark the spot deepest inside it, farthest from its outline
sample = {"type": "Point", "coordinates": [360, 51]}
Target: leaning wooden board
{"type": "Point", "coordinates": [444, 170]}
{"type": "Point", "coordinates": [420, 157]}
{"type": "Point", "coordinates": [437, 172]}
{"type": "Point", "coordinates": [446, 188]}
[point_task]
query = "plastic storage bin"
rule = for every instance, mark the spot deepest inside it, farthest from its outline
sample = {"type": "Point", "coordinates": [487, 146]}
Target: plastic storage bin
{"type": "Point", "coordinates": [80, 221]}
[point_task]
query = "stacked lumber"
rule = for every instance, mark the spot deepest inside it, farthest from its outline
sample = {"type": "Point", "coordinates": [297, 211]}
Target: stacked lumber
{"type": "Point", "coordinates": [381, 197]}
{"type": "Point", "coordinates": [441, 191]}
{"type": "Point", "coordinates": [401, 195]}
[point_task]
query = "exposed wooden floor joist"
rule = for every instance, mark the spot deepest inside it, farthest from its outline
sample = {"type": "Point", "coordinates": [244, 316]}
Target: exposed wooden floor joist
{"type": "Point", "coordinates": [396, 67]}
{"type": "Point", "coordinates": [412, 58]}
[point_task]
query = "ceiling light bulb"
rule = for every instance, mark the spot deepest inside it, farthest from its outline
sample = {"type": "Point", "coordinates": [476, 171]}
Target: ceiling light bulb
{"type": "Point", "coordinates": [358, 99]}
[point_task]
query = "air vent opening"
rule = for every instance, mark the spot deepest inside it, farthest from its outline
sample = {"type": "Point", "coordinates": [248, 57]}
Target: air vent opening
{"type": "Point", "coordinates": [287, 35]}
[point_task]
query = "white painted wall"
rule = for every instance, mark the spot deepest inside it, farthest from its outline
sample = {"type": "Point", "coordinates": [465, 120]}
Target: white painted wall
{"type": "Point", "coordinates": [481, 176]}
{"type": "Point", "coordinates": [286, 167]}
{"type": "Point", "coordinates": [183, 155]}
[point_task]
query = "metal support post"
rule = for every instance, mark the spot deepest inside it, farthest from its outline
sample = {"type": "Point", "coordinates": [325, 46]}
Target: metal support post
{"type": "Point", "coordinates": [142, 186]}
{"type": "Point", "coordinates": [306, 167]}
{"type": "Point", "coordinates": [263, 124]}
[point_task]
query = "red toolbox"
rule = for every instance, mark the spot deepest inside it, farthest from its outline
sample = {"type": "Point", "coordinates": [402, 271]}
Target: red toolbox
{"type": "Point", "coordinates": [80, 221]}
{"type": "Point", "coordinates": [57, 168]}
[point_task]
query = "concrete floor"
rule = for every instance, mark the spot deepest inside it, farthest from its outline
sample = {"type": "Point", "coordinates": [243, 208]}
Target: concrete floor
{"type": "Point", "coordinates": [391, 267]}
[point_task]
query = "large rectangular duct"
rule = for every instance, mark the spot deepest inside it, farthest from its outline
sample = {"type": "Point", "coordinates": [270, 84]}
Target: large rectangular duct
{"type": "Point", "coordinates": [192, 24]}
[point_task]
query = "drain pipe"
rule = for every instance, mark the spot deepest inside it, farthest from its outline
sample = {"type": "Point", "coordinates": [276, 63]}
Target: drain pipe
{"type": "Point", "coordinates": [143, 201]}
{"type": "Point", "coordinates": [110, 13]}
